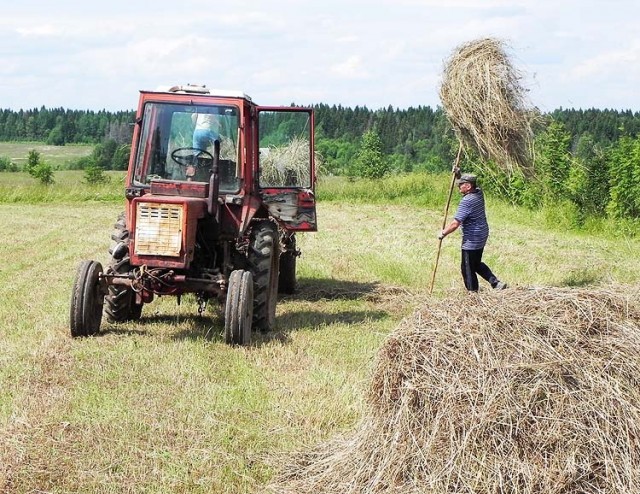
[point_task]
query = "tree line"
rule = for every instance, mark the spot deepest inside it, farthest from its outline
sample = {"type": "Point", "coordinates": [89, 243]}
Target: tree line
{"type": "Point", "coordinates": [588, 159]}
{"type": "Point", "coordinates": [57, 126]}
{"type": "Point", "coordinates": [416, 138]}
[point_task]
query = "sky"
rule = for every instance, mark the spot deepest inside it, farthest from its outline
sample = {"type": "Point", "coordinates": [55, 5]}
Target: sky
{"type": "Point", "coordinates": [90, 55]}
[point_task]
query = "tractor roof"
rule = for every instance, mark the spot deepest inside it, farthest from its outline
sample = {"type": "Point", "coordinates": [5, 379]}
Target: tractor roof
{"type": "Point", "coordinates": [202, 89]}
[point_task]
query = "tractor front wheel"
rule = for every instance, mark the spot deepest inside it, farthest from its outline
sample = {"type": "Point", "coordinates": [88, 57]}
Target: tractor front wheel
{"type": "Point", "coordinates": [121, 300]}
{"type": "Point", "coordinates": [87, 299]}
{"type": "Point", "coordinates": [238, 311]}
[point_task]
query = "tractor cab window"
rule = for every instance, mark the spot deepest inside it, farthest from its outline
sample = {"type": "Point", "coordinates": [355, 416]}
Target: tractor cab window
{"type": "Point", "coordinates": [179, 142]}
{"type": "Point", "coordinates": [285, 142]}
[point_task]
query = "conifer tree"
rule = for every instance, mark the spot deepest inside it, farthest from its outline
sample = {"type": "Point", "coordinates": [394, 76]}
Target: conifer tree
{"type": "Point", "coordinates": [370, 162]}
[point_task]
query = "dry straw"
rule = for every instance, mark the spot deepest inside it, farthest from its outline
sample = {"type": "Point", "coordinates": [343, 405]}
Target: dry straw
{"type": "Point", "coordinates": [486, 104]}
{"type": "Point", "coordinates": [525, 391]}
{"type": "Point", "coordinates": [286, 165]}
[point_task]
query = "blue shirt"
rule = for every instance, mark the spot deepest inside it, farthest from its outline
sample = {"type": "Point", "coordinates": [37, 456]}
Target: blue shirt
{"type": "Point", "coordinates": [473, 220]}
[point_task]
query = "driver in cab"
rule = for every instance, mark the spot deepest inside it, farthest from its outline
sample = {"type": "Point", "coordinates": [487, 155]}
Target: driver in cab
{"type": "Point", "coordinates": [205, 131]}
{"type": "Point", "coordinates": [195, 163]}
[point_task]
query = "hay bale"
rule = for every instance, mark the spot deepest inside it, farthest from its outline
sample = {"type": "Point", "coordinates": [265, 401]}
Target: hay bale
{"type": "Point", "coordinates": [519, 392]}
{"type": "Point", "coordinates": [486, 104]}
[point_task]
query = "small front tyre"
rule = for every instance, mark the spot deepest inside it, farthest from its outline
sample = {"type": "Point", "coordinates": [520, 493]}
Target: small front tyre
{"type": "Point", "coordinates": [87, 299]}
{"type": "Point", "coordinates": [120, 300]}
{"type": "Point", "coordinates": [238, 313]}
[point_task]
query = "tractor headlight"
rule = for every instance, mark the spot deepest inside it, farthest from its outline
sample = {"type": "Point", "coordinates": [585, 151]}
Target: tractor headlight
{"type": "Point", "coordinates": [158, 229]}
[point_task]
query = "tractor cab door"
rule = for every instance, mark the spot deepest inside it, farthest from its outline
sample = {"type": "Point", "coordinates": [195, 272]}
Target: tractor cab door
{"type": "Point", "coordinates": [286, 167]}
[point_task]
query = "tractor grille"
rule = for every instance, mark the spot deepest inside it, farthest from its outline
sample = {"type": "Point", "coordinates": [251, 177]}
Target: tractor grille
{"type": "Point", "coordinates": [158, 229]}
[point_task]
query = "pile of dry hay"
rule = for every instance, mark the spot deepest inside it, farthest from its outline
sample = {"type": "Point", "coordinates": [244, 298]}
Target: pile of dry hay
{"type": "Point", "coordinates": [484, 100]}
{"type": "Point", "coordinates": [519, 392]}
{"type": "Point", "coordinates": [288, 165]}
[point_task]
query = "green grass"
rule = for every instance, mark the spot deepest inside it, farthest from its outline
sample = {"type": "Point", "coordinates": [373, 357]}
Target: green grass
{"type": "Point", "coordinates": [69, 186]}
{"type": "Point", "coordinates": [59, 157]}
{"type": "Point", "coordinates": [418, 191]}
{"type": "Point", "coordinates": [427, 190]}
{"type": "Point", "coordinates": [163, 405]}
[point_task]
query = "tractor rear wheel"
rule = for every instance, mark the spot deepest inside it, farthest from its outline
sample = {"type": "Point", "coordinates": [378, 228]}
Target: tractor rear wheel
{"type": "Point", "coordinates": [264, 264]}
{"type": "Point", "coordinates": [238, 311]}
{"type": "Point", "coordinates": [287, 277]}
{"type": "Point", "coordinates": [121, 300]}
{"type": "Point", "coordinates": [87, 299]}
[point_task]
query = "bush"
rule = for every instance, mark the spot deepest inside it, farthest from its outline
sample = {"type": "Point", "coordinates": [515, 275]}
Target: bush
{"type": "Point", "coordinates": [82, 163]}
{"type": "Point", "coordinates": [33, 161]}
{"type": "Point", "coordinates": [120, 160]}
{"type": "Point", "coordinates": [94, 175]}
{"type": "Point", "coordinates": [6, 165]}
{"type": "Point", "coordinates": [56, 137]}
{"type": "Point", "coordinates": [44, 173]}
{"type": "Point", "coordinates": [39, 170]}
{"type": "Point", "coordinates": [624, 161]}
{"type": "Point", "coordinates": [103, 153]}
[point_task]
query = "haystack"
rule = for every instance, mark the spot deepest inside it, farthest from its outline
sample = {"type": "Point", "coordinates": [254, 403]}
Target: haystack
{"type": "Point", "coordinates": [525, 391]}
{"type": "Point", "coordinates": [485, 101]}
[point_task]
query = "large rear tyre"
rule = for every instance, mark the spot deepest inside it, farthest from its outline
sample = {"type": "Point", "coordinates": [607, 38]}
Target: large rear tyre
{"type": "Point", "coordinates": [238, 311]}
{"type": "Point", "coordinates": [264, 264]}
{"type": "Point", "coordinates": [87, 299]}
{"type": "Point", "coordinates": [287, 278]}
{"type": "Point", "coordinates": [121, 301]}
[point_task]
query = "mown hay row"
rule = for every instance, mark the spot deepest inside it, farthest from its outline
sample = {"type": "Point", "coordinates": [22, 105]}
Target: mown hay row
{"type": "Point", "coordinates": [523, 391]}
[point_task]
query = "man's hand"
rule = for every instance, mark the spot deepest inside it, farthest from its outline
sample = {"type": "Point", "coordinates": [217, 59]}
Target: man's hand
{"type": "Point", "coordinates": [441, 235]}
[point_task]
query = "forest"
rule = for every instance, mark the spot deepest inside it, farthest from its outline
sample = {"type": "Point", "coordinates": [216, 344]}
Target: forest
{"type": "Point", "coordinates": [410, 139]}
{"type": "Point", "coordinates": [587, 161]}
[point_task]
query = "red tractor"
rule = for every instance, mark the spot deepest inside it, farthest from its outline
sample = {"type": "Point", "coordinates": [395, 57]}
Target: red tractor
{"type": "Point", "coordinates": [216, 190]}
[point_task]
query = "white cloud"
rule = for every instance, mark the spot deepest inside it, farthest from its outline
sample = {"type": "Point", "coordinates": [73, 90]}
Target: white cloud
{"type": "Point", "coordinates": [42, 30]}
{"type": "Point", "coordinates": [605, 64]}
{"type": "Point", "coordinates": [270, 76]}
{"type": "Point", "coordinates": [351, 68]}
{"type": "Point", "coordinates": [350, 39]}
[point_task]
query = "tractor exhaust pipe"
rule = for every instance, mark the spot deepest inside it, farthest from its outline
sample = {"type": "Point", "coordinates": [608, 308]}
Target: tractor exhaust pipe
{"type": "Point", "coordinates": [214, 182]}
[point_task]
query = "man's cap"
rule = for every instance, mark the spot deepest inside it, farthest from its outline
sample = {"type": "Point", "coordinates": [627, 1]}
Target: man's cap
{"type": "Point", "coordinates": [467, 178]}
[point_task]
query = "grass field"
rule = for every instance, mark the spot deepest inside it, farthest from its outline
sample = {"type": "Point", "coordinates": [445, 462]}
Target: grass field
{"type": "Point", "coordinates": [56, 156]}
{"type": "Point", "coordinates": [69, 186]}
{"type": "Point", "coordinates": [164, 406]}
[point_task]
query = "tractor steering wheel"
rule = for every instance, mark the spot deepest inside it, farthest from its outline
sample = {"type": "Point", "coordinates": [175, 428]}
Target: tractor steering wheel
{"type": "Point", "coordinates": [195, 157]}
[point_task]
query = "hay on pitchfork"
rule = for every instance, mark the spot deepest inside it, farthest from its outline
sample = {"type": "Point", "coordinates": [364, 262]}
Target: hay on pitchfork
{"type": "Point", "coordinates": [485, 102]}
{"type": "Point", "coordinates": [526, 391]}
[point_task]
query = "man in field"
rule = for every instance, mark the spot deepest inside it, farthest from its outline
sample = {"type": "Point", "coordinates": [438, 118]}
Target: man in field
{"type": "Point", "coordinates": [471, 216]}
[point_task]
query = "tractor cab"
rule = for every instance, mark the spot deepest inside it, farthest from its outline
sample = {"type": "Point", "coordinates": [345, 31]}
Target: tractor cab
{"type": "Point", "coordinates": [190, 141]}
{"type": "Point", "coordinates": [180, 142]}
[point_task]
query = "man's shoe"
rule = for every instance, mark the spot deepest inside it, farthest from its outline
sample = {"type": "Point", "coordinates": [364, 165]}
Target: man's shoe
{"type": "Point", "coordinates": [500, 285]}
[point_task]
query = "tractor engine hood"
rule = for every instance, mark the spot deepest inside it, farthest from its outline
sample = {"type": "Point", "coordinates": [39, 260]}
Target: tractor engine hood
{"type": "Point", "coordinates": [163, 230]}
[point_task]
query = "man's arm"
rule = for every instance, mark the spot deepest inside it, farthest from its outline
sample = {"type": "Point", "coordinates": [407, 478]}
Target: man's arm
{"type": "Point", "coordinates": [450, 228]}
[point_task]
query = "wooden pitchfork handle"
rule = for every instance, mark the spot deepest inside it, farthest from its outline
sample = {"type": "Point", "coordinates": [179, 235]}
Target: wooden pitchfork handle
{"type": "Point", "coordinates": [454, 171]}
